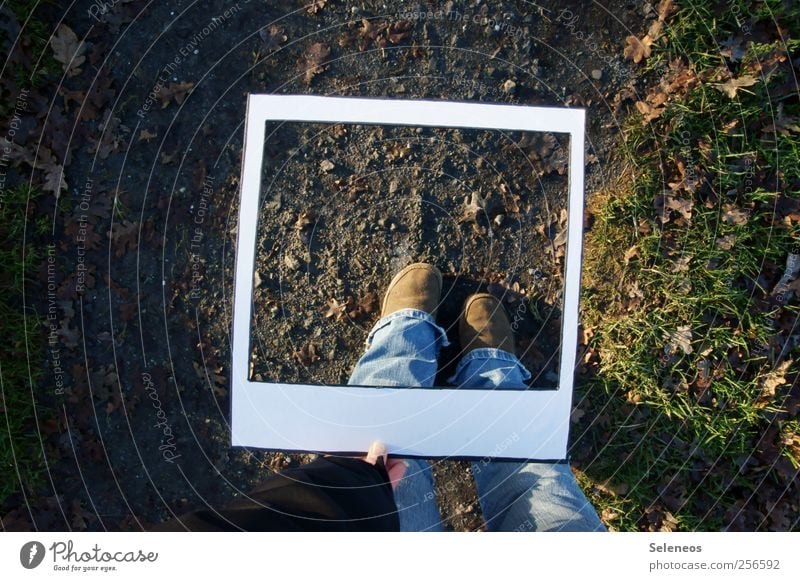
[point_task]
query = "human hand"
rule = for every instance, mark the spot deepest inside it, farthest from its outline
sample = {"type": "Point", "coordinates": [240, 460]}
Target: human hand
{"type": "Point", "coordinates": [396, 468]}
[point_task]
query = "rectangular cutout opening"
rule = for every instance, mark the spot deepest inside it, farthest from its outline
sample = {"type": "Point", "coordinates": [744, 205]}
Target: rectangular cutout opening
{"type": "Point", "coordinates": [326, 179]}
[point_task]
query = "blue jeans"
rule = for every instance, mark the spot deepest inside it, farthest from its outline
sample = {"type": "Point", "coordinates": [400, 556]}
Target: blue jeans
{"type": "Point", "coordinates": [402, 350]}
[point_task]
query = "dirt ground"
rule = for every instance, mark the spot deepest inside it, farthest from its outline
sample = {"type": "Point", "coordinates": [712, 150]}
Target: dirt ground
{"type": "Point", "coordinates": [144, 235]}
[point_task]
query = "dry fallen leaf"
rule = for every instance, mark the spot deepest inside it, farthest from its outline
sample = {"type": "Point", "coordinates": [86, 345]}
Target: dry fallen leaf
{"type": "Point", "coordinates": [665, 8]}
{"type": "Point", "coordinates": [731, 86]}
{"type": "Point", "coordinates": [681, 339]}
{"type": "Point", "coordinates": [68, 50]}
{"type": "Point", "coordinates": [316, 6]}
{"type": "Point", "coordinates": [314, 57]}
{"type": "Point", "coordinates": [733, 48]}
{"type": "Point", "coordinates": [146, 135]}
{"type": "Point", "coordinates": [272, 37]}
{"type": "Point", "coordinates": [630, 254]}
{"type": "Point", "coordinates": [783, 125]}
{"type": "Point", "coordinates": [54, 178]}
{"type": "Point", "coordinates": [306, 355]}
{"type": "Point", "coordinates": [726, 242]}
{"type": "Point", "coordinates": [734, 215]}
{"type": "Point", "coordinates": [636, 49]}
{"type": "Point", "coordinates": [176, 91]}
{"type": "Point", "coordinates": [305, 220]}
{"type": "Point", "coordinates": [368, 304]}
{"type": "Point", "coordinates": [649, 111]}
{"type": "Point", "coordinates": [770, 382]}
{"type": "Point", "coordinates": [335, 310]}
{"type": "Point", "coordinates": [124, 237]}
{"type": "Point", "coordinates": [169, 158]}
{"type": "Point", "coordinates": [666, 203]}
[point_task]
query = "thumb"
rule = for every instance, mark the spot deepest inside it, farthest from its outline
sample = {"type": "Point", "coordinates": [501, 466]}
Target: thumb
{"type": "Point", "coordinates": [377, 450]}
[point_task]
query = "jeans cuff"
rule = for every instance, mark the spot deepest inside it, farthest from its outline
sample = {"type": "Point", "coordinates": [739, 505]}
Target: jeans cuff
{"type": "Point", "coordinates": [442, 340]}
{"type": "Point", "coordinates": [490, 353]}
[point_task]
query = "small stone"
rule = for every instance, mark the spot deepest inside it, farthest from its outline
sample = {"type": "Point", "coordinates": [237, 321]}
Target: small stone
{"type": "Point", "coordinates": [499, 219]}
{"type": "Point", "coordinates": [597, 74]}
{"type": "Point", "coordinates": [257, 279]}
{"type": "Point", "coordinates": [326, 165]}
{"type": "Point", "coordinates": [393, 186]}
{"type": "Point", "coordinates": [291, 262]}
{"type": "Point", "coordinates": [509, 86]}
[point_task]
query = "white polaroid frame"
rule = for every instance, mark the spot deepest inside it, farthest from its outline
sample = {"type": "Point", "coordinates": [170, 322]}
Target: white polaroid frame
{"type": "Point", "coordinates": [427, 422]}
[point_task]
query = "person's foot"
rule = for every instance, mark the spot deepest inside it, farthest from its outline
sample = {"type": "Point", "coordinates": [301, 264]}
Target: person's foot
{"type": "Point", "coordinates": [417, 286]}
{"type": "Point", "coordinates": [484, 324]}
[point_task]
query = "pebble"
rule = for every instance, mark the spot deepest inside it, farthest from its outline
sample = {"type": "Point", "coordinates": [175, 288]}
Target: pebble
{"type": "Point", "coordinates": [257, 279]}
{"type": "Point", "coordinates": [509, 86]}
{"type": "Point", "coordinates": [326, 165]}
{"type": "Point", "coordinates": [291, 262]}
{"type": "Point", "coordinates": [597, 74]}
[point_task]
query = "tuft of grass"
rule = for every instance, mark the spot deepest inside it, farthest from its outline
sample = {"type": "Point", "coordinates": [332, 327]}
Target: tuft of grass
{"type": "Point", "coordinates": [35, 33]}
{"type": "Point", "coordinates": [676, 420]}
{"type": "Point", "coordinates": [21, 467]}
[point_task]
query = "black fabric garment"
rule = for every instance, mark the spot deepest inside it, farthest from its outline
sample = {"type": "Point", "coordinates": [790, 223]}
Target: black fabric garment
{"type": "Point", "coordinates": [329, 494]}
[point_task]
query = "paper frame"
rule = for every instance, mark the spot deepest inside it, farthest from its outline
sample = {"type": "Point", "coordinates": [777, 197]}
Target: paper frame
{"type": "Point", "coordinates": [425, 422]}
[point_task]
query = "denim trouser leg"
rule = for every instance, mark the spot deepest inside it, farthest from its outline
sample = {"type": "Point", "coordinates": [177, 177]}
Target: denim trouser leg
{"type": "Point", "coordinates": [401, 351]}
{"type": "Point", "coordinates": [518, 496]}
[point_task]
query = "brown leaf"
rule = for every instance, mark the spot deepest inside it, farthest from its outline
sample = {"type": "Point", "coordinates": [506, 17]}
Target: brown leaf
{"type": "Point", "coordinates": [306, 355]}
{"type": "Point", "coordinates": [335, 310]}
{"type": "Point", "coordinates": [632, 252]}
{"type": "Point", "coordinates": [636, 49]}
{"type": "Point", "coordinates": [510, 201]}
{"type": "Point", "coordinates": [69, 336]}
{"type": "Point", "coordinates": [54, 178]}
{"type": "Point", "coordinates": [667, 203]}
{"type": "Point", "coordinates": [305, 220]}
{"type": "Point", "coordinates": [273, 36]}
{"type": "Point", "coordinates": [316, 6]}
{"type": "Point", "coordinates": [731, 86]}
{"type": "Point", "coordinates": [80, 516]}
{"type": "Point", "coordinates": [399, 30]}
{"type": "Point", "coordinates": [649, 111]}
{"type": "Point", "coordinates": [734, 215]}
{"type": "Point", "coordinates": [145, 135]}
{"type": "Point", "coordinates": [733, 48]}
{"type": "Point", "coordinates": [655, 29]}
{"type": "Point", "coordinates": [169, 158]}
{"type": "Point", "coordinates": [771, 381]}
{"type": "Point", "coordinates": [546, 153]}
{"type": "Point", "coordinates": [372, 28]}
{"type": "Point", "coordinates": [124, 237]}
{"type": "Point", "coordinates": [176, 91]}
{"type": "Point", "coordinates": [783, 125]}
{"type": "Point", "coordinates": [681, 339]}
{"type": "Point", "coordinates": [665, 8]}
{"type": "Point", "coordinates": [368, 304]}
{"type": "Point", "coordinates": [314, 57]}
{"type": "Point", "coordinates": [68, 50]}
{"type": "Point", "coordinates": [726, 242]}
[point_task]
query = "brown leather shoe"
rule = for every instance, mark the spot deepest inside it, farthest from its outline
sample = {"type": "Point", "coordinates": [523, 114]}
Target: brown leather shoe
{"type": "Point", "coordinates": [484, 324]}
{"type": "Point", "coordinates": [417, 286]}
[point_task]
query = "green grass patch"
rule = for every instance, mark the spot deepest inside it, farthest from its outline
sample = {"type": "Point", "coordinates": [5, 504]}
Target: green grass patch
{"type": "Point", "coordinates": [22, 357]}
{"type": "Point", "coordinates": [679, 280]}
